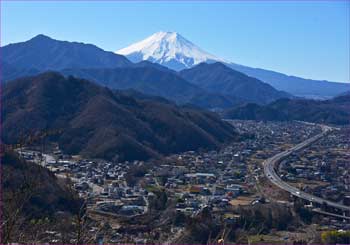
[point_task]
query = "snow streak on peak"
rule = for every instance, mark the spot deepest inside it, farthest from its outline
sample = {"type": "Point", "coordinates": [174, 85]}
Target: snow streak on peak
{"type": "Point", "coordinates": [169, 49]}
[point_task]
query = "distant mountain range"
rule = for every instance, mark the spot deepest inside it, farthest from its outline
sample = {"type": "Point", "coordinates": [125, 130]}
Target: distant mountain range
{"type": "Point", "coordinates": [333, 111]}
{"type": "Point", "coordinates": [218, 78]}
{"type": "Point", "coordinates": [42, 53]}
{"type": "Point", "coordinates": [211, 86]}
{"type": "Point", "coordinates": [153, 81]}
{"type": "Point", "coordinates": [301, 87]}
{"type": "Point", "coordinates": [97, 122]}
{"type": "Point", "coordinates": [10, 72]}
{"type": "Point", "coordinates": [174, 51]}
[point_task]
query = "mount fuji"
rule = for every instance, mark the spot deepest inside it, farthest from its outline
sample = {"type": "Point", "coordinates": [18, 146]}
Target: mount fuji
{"type": "Point", "coordinates": [172, 50]}
{"type": "Point", "coordinates": [168, 49]}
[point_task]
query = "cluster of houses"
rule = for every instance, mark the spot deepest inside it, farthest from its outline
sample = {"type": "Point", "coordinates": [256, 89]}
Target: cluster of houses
{"type": "Point", "coordinates": [327, 163]}
{"type": "Point", "coordinates": [101, 182]}
{"type": "Point", "coordinates": [199, 179]}
{"type": "Point", "coordinates": [209, 179]}
{"type": "Point", "coordinates": [214, 180]}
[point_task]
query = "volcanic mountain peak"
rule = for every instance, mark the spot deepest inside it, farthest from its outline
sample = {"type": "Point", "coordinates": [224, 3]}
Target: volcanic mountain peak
{"type": "Point", "coordinates": [168, 48]}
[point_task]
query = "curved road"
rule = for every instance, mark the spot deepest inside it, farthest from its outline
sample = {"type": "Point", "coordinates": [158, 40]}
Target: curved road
{"type": "Point", "coordinates": [271, 174]}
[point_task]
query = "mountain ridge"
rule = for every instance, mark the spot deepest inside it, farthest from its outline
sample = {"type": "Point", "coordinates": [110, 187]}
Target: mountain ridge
{"type": "Point", "coordinates": [103, 68]}
{"type": "Point", "coordinates": [219, 78]}
{"type": "Point", "coordinates": [97, 122]}
{"type": "Point", "coordinates": [292, 84]}
{"type": "Point", "coordinates": [333, 111]}
{"type": "Point", "coordinates": [156, 82]}
{"type": "Point", "coordinates": [44, 53]}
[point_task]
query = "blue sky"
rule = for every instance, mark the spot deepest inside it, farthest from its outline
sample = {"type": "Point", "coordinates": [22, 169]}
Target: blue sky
{"type": "Point", "coordinates": [308, 39]}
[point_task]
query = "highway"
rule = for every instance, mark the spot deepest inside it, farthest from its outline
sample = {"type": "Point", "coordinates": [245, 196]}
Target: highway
{"type": "Point", "coordinates": [271, 174]}
{"type": "Point", "coordinates": [317, 210]}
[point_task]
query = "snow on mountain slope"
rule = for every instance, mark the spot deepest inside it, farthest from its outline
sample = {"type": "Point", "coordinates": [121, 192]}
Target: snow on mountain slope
{"type": "Point", "coordinates": [172, 50]}
{"type": "Point", "coordinates": [169, 49]}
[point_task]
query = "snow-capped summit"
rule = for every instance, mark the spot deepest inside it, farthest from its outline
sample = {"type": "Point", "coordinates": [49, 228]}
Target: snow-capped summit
{"type": "Point", "coordinates": [169, 49]}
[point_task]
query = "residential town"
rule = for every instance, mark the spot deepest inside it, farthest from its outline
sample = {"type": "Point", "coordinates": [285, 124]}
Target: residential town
{"type": "Point", "coordinates": [323, 168]}
{"type": "Point", "coordinates": [182, 186]}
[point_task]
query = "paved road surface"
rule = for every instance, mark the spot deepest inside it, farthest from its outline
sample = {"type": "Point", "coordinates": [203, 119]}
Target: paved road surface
{"type": "Point", "coordinates": [271, 174]}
